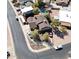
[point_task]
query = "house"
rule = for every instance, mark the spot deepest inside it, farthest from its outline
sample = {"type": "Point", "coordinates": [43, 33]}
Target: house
{"type": "Point", "coordinates": [44, 27]}
{"type": "Point", "coordinates": [39, 22]}
{"type": "Point", "coordinates": [40, 19]}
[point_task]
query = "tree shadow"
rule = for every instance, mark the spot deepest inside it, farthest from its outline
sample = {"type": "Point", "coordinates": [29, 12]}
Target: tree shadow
{"type": "Point", "coordinates": [59, 33]}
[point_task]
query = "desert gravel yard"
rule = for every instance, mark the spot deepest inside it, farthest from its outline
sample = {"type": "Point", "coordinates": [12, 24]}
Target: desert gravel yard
{"type": "Point", "coordinates": [61, 41]}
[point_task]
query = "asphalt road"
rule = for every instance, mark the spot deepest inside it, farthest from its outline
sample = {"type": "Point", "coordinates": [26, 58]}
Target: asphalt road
{"type": "Point", "coordinates": [21, 49]}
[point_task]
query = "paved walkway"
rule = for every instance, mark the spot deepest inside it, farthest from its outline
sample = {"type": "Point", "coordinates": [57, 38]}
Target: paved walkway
{"type": "Point", "coordinates": [10, 45]}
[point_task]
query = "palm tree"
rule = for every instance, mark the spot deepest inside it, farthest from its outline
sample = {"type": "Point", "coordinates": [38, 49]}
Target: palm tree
{"type": "Point", "coordinates": [55, 23]}
{"type": "Point", "coordinates": [63, 29]}
{"type": "Point", "coordinates": [36, 11]}
{"type": "Point", "coordinates": [45, 36]}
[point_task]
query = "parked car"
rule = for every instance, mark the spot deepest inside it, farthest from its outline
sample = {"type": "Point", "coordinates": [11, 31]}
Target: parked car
{"type": "Point", "coordinates": [51, 34]}
{"type": "Point", "coordinates": [17, 18]}
{"type": "Point", "coordinates": [8, 54]}
{"type": "Point", "coordinates": [59, 47]}
{"type": "Point", "coordinates": [69, 55]}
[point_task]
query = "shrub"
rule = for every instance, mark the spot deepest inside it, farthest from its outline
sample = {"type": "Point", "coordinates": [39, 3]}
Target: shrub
{"type": "Point", "coordinates": [55, 23]}
{"type": "Point", "coordinates": [35, 34]}
{"type": "Point", "coordinates": [63, 29]}
{"type": "Point", "coordinates": [45, 36]}
{"type": "Point", "coordinates": [36, 11]}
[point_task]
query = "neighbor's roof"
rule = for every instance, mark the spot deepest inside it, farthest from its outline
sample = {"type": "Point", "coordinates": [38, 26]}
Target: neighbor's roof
{"type": "Point", "coordinates": [26, 9]}
{"type": "Point", "coordinates": [58, 1]}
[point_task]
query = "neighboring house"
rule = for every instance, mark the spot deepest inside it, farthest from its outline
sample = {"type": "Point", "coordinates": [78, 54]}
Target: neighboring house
{"type": "Point", "coordinates": [66, 1]}
{"type": "Point", "coordinates": [65, 17]}
{"type": "Point", "coordinates": [40, 19]}
{"type": "Point", "coordinates": [43, 24]}
{"type": "Point", "coordinates": [27, 11]}
{"type": "Point", "coordinates": [63, 2]}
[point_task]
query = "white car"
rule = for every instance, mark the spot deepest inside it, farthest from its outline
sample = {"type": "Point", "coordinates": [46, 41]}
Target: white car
{"type": "Point", "coordinates": [59, 47]}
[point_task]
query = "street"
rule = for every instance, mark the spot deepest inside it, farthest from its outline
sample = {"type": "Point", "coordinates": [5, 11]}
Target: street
{"type": "Point", "coordinates": [21, 49]}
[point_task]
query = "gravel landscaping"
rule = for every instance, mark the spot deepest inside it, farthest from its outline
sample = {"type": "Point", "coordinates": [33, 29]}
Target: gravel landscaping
{"type": "Point", "coordinates": [36, 46]}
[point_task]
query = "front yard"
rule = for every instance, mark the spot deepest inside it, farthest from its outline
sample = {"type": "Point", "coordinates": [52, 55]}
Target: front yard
{"type": "Point", "coordinates": [59, 35]}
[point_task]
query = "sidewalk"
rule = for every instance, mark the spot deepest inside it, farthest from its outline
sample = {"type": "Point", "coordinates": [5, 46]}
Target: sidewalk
{"type": "Point", "coordinates": [10, 45]}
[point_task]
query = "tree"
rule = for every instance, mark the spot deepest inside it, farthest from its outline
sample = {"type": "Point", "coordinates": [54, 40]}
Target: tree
{"type": "Point", "coordinates": [55, 23]}
{"type": "Point", "coordinates": [63, 29]}
{"type": "Point", "coordinates": [35, 34]}
{"type": "Point", "coordinates": [36, 11]}
{"type": "Point", "coordinates": [36, 4]}
{"type": "Point", "coordinates": [45, 36]}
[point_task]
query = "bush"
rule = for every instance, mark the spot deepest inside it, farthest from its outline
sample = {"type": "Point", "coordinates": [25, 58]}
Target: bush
{"type": "Point", "coordinates": [36, 4]}
{"type": "Point", "coordinates": [35, 34]}
{"type": "Point", "coordinates": [39, 4]}
{"type": "Point", "coordinates": [45, 36]}
{"type": "Point", "coordinates": [36, 11]}
{"type": "Point", "coordinates": [63, 29]}
{"type": "Point", "coordinates": [55, 23]}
